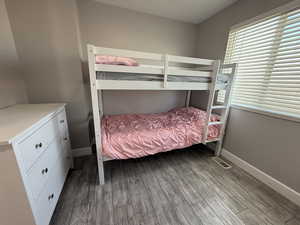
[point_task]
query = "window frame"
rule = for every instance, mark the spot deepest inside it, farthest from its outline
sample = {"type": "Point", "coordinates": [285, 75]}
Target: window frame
{"type": "Point", "coordinates": [277, 11]}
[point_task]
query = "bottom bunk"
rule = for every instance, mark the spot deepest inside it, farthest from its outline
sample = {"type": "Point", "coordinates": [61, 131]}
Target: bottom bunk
{"type": "Point", "coordinates": [137, 135]}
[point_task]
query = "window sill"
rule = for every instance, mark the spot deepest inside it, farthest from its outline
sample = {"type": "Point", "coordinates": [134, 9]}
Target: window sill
{"type": "Point", "coordinates": [284, 116]}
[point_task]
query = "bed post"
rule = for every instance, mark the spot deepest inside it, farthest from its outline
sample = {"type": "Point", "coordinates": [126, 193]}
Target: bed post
{"type": "Point", "coordinates": [166, 68]}
{"type": "Point", "coordinates": [97, 112]}
{"type": "Point", "coordinates": [188, 98]}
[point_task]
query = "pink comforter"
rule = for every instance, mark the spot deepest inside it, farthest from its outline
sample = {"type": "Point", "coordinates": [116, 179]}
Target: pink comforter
{"type": "Point", "coordinates": [138, 135]}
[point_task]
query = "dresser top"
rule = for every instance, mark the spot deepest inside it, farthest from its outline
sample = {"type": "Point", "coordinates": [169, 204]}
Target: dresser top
{"type": "Point", "coordinates": [19, 119]}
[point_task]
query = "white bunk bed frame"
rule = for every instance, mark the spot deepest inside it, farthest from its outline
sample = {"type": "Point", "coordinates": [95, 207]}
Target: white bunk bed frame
{"type": "Point", "coordinates": [204, 68]}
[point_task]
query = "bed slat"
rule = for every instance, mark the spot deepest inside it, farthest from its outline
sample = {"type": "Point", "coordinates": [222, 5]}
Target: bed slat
{"type": "Point", "coordinates": [188, 73]}
{"type": "Point", "coordinates": [127, 53]}
{"type": "Point", "coordinates": [128, 69]}
{"type": "Point", "coordinates": [149, 85]}
{"type": "Point", "coordinates": [190, 60]}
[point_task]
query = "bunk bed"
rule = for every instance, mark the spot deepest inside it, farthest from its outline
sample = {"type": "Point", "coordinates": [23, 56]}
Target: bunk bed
{"type": "Point", "coordinates": [131, 136]}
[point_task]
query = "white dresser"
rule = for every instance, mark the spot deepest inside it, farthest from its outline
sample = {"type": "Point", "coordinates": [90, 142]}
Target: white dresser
{"type": "Point", "coordinates": [35, 157]}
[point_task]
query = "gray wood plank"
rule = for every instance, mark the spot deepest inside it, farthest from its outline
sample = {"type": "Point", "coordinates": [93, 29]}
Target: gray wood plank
{"type": "Point", "coordinates": [140, 201]}
{"type": "Point", "coordinates": [167, 182]}
{"type": "Point", "coordinates": [93, 180]}
{"type": "Point", "coordinates": [152, 185]}
{"type": "Point", "coordinates": [183, 187]}
{"type": "Point", "coordinates": [64, 208]}
{"type": "Point", "coordinates": [187, 212]}
{"type": "Point", "coordinates": [176, 172]}
{"type": "Point", "coordinates": [254, 218]}
{"type": "Point", "coordinates": [206, 214]}
{"type": "Point", "coordinates": [104, 200]}
{"type": "Point", "coordinates": [81, 198]}
{"type": "Point", "coordinates": [280, 200]}
{"type": "Point", "coordinates": [277, 213]}
{"type": "Point", "coordinates": [224, 213]}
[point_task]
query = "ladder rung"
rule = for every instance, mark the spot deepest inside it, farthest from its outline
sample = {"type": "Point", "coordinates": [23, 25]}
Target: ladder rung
{"type": "Point", "coordinates": [215, 123]}
{"type": "Point", "coordinates": [213, 140]}
{"type": "Point", "coordinates": [219, 107]}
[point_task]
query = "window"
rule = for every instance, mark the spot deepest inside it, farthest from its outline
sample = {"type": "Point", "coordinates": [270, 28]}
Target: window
{"type": "Point", "coordinates": [268, 57]}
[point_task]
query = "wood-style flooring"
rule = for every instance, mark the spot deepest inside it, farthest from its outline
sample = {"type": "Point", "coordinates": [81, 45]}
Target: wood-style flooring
{"type": "Point", "coordinates": [182, 187]}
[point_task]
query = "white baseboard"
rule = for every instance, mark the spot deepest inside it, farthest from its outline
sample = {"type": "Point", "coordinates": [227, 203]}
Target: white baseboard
{"type": "Point", "coordinates": [77, 152]}
{"type": "Point", "coordinates": [276, 185]}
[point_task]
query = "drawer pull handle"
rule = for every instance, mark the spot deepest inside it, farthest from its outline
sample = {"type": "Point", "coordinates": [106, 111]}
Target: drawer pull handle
{"type": "Point", "coordinates": [62, 121]}
{"type": "Point", "coordinates": [50, 197]}
{"type": "Point", "coordinates": [38, 145]}
{"type": "Point", "coordinates": [65, 139]}
{"type": "Point", "coordinates": [44, 171]}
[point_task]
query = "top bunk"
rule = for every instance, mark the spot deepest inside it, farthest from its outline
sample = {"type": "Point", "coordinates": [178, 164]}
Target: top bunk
{"type": "Point", "coordinates": [151, 71]}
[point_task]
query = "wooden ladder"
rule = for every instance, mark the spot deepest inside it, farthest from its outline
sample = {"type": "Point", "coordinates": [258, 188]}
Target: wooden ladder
{"type": "Point", "coordinates": [216, 73]}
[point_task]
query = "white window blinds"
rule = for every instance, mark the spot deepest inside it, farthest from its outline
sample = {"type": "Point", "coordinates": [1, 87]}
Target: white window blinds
{"type": "Point", "coordinates": [268, 57]}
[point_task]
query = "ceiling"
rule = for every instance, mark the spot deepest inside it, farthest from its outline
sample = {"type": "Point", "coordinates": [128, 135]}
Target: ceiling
{"type": "Point", "coordinates": [191, 11]}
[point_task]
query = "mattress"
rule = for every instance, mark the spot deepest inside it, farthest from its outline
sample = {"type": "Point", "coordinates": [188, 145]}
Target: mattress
{"type": "Point", "coordinates": [149, 77]}
{"type": "Point", "coordinates": [137, 135]}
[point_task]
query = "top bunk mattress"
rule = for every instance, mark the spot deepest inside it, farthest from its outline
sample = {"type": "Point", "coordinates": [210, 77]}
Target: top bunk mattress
{"type": "Point", "coordinates": [149, 77]}
{"type": "Point", "coordinates": [137, 135]}
{"type": "Point", "coordinates": [124, 68]}
{"type": "Point", "coordinates": [128, 69]}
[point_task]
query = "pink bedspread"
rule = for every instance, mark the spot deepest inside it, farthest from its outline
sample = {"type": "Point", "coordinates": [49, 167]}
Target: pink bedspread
{"type": "Point", "coordinates": [138, 135]}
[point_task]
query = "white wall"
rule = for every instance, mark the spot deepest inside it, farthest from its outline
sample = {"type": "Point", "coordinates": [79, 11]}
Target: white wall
{"type": "Point", "coordinates": [45, 33]}
{"type": "Point", "coordinates": [270, 144]}
{"type": "Point", "coordinates": [48, 39]}
{"type": "Point", "coordinates": [110, 26]}
{"type": "Point", "coordinates": [12, 87]}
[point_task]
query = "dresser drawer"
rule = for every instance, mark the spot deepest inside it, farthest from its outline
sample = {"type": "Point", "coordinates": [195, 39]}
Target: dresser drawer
{"type": "Point", "coordinates": [43, 168]}
{"type": "Point", "coordinates": [46, 202]}
{"type": "Point", "coordinates": [33, 146]}
{"type": "Point", "coordinates": [43, 212]}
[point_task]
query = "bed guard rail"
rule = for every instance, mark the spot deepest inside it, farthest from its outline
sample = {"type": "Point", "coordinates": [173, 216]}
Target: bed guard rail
{"type": "Point", "coordinates": [153, 63]}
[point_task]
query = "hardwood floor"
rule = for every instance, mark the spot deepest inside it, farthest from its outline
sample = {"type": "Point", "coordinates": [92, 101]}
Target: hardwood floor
{"type": "Point", "coordinates": [184, 187]}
